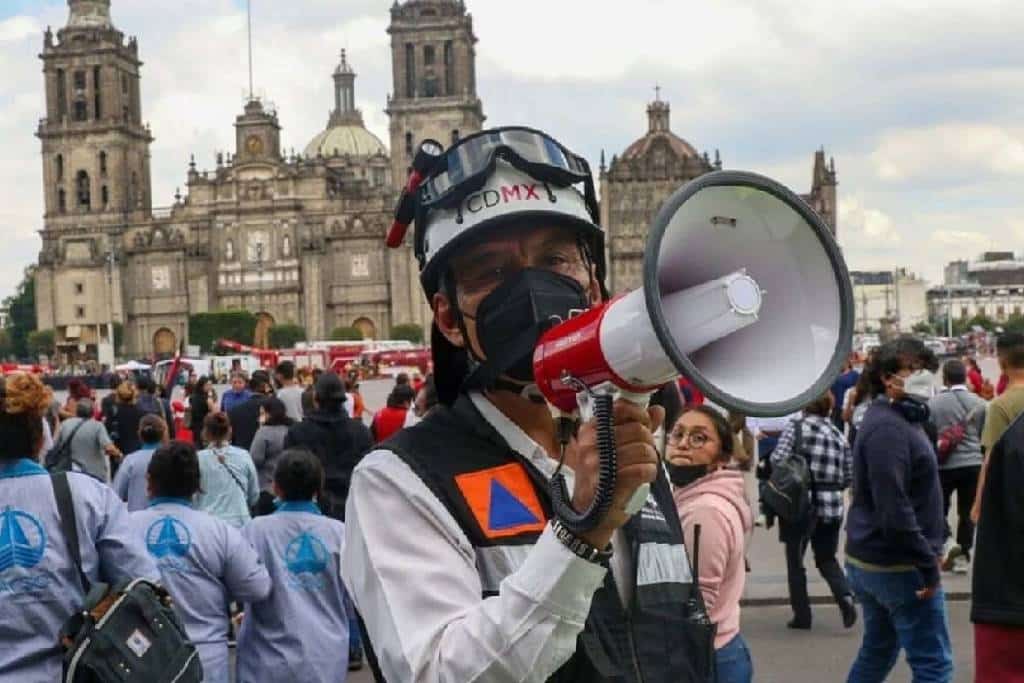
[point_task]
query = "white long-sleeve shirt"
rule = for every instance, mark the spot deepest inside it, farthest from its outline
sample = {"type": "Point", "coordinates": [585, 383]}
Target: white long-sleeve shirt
{"type": "Point", "coordinates": [413, 575]}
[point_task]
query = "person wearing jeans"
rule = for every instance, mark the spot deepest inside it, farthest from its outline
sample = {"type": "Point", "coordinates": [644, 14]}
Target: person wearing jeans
{"type": "Point", "coordinates": [959, 472]}
{"type": "Point", "coordinates": [897, 617]}
{"type": "Point", "coordinates": [823, 446]}
{"type": "Point", "coordinates": [895, 529]}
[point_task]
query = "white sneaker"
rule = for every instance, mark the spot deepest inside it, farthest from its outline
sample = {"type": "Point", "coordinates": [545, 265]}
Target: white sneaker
{"type": "Point", "coordinates": [954, 553]}
{"type": "Point", "coordinates": [961, 564]}
{"type": "Point", "coordinates": [761, 520]}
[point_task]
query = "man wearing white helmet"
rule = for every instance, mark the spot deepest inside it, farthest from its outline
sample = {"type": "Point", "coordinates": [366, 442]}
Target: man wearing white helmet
{"type": "Point", "coordinates": [461, 565]}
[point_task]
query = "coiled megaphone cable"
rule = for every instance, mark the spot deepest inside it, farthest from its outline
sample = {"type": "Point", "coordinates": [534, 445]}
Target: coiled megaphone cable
{"type": "Point", "coordinates": [561, 499]}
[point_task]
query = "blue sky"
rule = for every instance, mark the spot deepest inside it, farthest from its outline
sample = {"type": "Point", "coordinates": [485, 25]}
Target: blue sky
{"type": "Point", "coordinates": [921, 102]}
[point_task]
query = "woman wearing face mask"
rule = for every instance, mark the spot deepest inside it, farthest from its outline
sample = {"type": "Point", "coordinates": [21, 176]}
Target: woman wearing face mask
{"type": "Point", "coordinates": [895, 528]}
{"type": "Point", "coordinates": [709, 492]}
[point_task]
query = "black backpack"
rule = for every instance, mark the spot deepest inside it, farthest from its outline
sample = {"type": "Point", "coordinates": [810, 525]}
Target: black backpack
{"type": "Point", "coordinates": [58, 458]}
{"type": "Point", "coordinates": [128, 633]}
{"type": "Point", "coordinates": [787, 491]}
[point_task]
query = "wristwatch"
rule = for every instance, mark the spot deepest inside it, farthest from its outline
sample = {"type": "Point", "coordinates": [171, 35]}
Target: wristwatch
{"type": "Point", "coordinates": [578, 546]}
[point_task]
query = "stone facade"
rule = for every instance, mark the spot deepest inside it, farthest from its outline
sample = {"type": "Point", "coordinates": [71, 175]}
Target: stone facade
{"type": "Point", "coordinates": [296, 239]}
{"type": "Point", "coordinates": [636, 183]}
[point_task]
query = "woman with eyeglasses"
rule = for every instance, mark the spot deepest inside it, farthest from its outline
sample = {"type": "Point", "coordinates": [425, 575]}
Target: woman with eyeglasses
{"type": "Point", "coordinates": [710, 495]}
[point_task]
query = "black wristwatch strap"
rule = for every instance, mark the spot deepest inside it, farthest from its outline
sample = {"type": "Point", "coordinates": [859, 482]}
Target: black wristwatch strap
{"type": "Point", "coordinates": [578, 546]}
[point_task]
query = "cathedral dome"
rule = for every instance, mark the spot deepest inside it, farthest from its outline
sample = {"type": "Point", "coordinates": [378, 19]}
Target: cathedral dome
{"type": "Point", "coordinates": [658, 129]}
{"type": "Point", "coordinates": [351, 139]}
{"type": "Point", "coordinates": [345, 132]}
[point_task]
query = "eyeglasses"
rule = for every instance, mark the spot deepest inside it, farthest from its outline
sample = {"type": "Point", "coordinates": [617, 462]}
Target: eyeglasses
{"type": "Point", "coordinates": [693, 439]}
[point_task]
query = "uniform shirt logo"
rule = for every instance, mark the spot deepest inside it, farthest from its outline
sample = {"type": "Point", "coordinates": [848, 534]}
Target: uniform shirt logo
{"type": "Point", "coordinates": [306, 557]}
{"type": "Point", "coordinates": [168, 537]}
{"type": "Point", "coordinates": [22, 539]}
{"type": "Point", "coordinates": [306, 554]}
{"type": "Point", "coordinates": [502, 500]}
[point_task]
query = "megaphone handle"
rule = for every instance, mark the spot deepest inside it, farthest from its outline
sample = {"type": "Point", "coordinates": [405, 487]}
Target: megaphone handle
{"type": "Point", "coordinates": [639, 497]}
{"type": "Point", "coordinates": [582, 522]}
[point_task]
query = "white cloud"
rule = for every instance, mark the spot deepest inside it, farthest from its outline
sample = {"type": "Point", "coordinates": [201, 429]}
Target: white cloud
{"type": "Point", "coordinates": [16, 28]}
{"type": "Point", "coordinates": [952, 151]}
{"type": "Point", "coordinates": [866, 227]}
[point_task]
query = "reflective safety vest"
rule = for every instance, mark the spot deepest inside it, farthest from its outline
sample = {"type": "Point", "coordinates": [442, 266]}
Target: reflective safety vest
{"type": "Point", "coordinates": [502, 505]}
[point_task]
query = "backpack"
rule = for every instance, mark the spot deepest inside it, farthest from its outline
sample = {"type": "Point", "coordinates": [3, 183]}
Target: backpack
{"type": "Point", "coordinates": [150, 405]}
{"type": "Point", "coordinates": [128, 633]}
{"type": "Point", "coordinates": [786, 491]}
{"type": "Point", "coordinates": [58, 458]}
{"type": "Point", "coordinates": [953, 435]}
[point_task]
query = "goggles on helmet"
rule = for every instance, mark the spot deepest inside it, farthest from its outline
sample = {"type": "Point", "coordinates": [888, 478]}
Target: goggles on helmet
{"type": "Point", "coordinates": [464, 168]}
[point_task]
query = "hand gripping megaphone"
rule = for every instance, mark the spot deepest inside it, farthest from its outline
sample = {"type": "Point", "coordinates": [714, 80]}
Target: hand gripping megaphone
{"type": "Point", "coordinates": [745, 293]}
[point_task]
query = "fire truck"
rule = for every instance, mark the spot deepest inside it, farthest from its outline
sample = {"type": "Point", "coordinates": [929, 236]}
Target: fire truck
{"type": "Point", "coordinates": [368, 357]}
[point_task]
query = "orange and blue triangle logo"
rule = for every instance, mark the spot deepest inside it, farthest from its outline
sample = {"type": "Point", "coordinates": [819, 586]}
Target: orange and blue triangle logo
{"type": "Point", "coordinates": [502, 500]}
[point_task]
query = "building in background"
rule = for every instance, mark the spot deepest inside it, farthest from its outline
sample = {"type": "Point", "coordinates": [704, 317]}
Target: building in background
{"type": "Point", "coordinates": [636, 183]}
{"type": "Point", "coordinates": [292, 238]}
{"type": "Point", "coordinates": [888, 301]}
{"type": "Point", "coordinates": [990, 287]}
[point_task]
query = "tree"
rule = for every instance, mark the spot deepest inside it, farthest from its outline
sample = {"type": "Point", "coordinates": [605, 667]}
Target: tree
{"type": "Point", "coordinates": [409, 332]}
{"type": "Point", "coordinates": [21, 312]}
{"type": "Point", "coordinates": [6, 349]}
{"type": "Point", "coordinates": [982, 321]}
{"type": "Point", "coordinates": [346, 334]}
{"type": "Point", "coordinates": [40, 343]}
{"type": "Point", "coordinates": [1015, 323]}
{"type": "Point", "coordinates": [118, 339]}
{"type": "Point", "coordinates": [206, 328]}
{"type": "Point", "coordinates": [286, 336]}
{"type": "Point", "coordinates": [923, 328]}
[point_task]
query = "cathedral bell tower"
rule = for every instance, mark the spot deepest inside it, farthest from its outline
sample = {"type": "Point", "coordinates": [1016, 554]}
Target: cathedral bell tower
{"type": "Point", "coordinates": [95, 147]}
{"type": "Point", "coordinates": [434, 70]}
{"type": "Point", "coordinates": [96, 178]}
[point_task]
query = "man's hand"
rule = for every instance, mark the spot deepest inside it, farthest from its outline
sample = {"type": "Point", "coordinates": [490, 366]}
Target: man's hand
{"type": "Point", "coordinates": [637, 464]}
{"type": "Point", "coordinates": [928, 592]}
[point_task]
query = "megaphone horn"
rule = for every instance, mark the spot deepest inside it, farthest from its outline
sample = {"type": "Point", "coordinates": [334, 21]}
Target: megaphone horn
{"type": "Point", "coordinates": [745, 293]}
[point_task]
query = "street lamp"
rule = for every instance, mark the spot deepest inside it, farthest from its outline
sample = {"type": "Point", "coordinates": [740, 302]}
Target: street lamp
{"type": "Point", "coordinates": [259, 274]}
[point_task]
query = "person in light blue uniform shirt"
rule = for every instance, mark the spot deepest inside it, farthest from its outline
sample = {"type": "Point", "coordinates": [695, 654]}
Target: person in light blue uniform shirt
{"type": "Point", "coordinates": [229, 484]}
{"type": "Point", "coordinates": [39, 584]}
{"type": "Point", "coordinates": [205, 563]}
{"type": "Point", "coordinates": [130, 480]}
{"type": "Point", "coordinates": [301, 632]}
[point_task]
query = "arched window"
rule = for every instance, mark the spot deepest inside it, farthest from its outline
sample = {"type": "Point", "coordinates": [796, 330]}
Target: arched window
{"type": "Point", "coordinates": [97, 90]}
{"type": "Point", "coordinates": [62, 94]}
{"type": "Point", "coordinates": [229, 250]}
{"type": "Point", "coordinates": [105, 196]}
{"type": "Point", "coordinates": [103, 163]}
{"type": "Point", "coordinates": [59, 166]}
{"type": "Point", "coordinates": [82, 191]}
{"type": "Point", "coordinates": [408, 143]}
{"type": "Point", "coordinates": [62, 201]}
{"type": "Point", "coordinates": [455, 135]}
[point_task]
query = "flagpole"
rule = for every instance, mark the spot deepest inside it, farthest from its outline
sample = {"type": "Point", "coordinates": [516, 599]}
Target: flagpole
{"type": "Point", "coordinates": [248, 11]}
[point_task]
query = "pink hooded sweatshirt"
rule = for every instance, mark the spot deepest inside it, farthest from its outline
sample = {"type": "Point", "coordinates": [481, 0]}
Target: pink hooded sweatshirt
{"type": "Point", "coordinates": [718, 503]}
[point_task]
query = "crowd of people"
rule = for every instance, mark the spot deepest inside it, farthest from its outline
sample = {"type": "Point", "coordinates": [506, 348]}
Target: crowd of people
{"type": "Point", "coordinates": [431, 538]}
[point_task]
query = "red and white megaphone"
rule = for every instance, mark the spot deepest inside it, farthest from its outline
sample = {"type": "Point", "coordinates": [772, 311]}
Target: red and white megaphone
{"type": "Point", "coordinates": [745, 293]}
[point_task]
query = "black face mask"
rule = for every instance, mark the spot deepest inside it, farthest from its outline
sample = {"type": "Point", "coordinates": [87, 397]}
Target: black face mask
{"type": "Point", "coordinates": [912, 409]}
{"type": "Point", "coordinates": [684, 475]}
{"type": "Point", "coordinates": [511, 319]}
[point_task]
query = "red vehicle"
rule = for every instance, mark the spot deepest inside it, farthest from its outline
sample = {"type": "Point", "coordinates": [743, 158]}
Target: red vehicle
{"type": "Point", "coordinates": [391, 363]}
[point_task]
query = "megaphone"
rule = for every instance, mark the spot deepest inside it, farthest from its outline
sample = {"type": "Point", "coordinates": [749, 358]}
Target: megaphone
{"type": "Point", "coordinates": [745, 293]}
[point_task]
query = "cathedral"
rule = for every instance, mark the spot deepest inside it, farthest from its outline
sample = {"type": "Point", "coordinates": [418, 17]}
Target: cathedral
{"type": "Point", "coordinates": [292, 238]}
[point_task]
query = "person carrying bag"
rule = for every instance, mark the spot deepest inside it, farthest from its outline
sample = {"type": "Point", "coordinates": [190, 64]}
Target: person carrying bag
{"type": "Point", "coordinates": [125, 633]}
{"type": "Point", "coordinates": [811, 467]}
